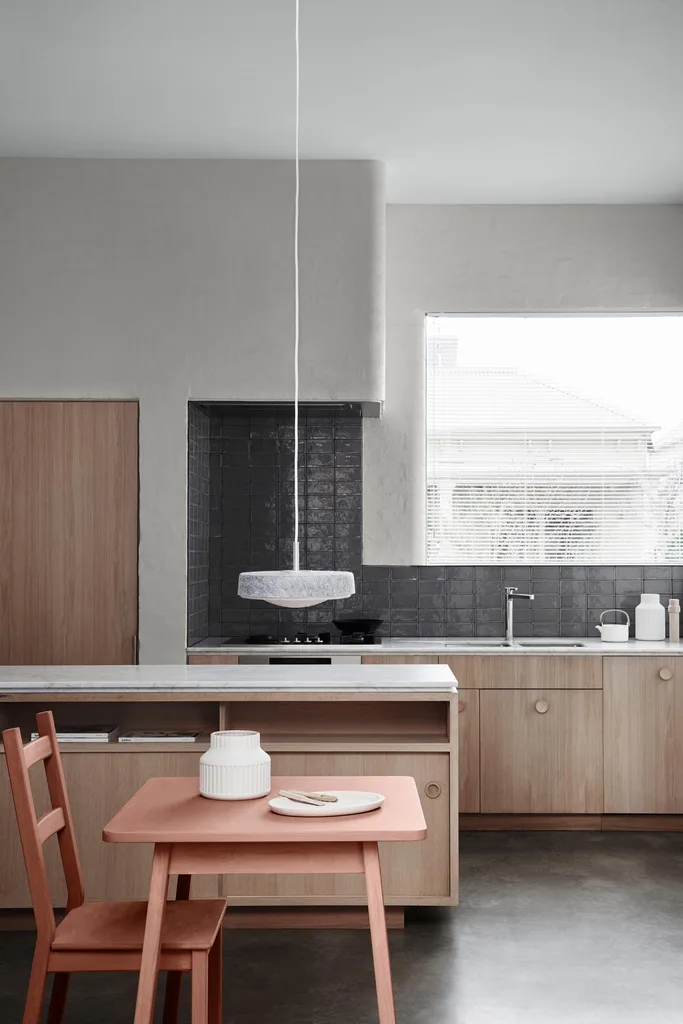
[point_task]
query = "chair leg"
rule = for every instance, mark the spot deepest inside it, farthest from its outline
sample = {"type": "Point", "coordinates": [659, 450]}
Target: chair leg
{"type": "Point", "coordinates": [174, 983]}
{"type": "Point", "coordinates": [174, 979]}
{"type": "Point", "coordinates": [216, 980]}
{"type": "Point", "coordinates": [200, 987]}
{"type": "Point", "coordinates": [378, 934]}
{"type": "Point", "coordinates": [36, 987]}
{"type": "Point", "coordinates": [60, 988]}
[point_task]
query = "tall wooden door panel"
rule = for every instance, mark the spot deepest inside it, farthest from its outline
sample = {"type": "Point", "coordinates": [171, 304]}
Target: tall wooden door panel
{"type": "Point", "coordinates": [408, 869]}
{"type": "Point", "coordinates": [69, 532]}
{"type": "Point", "coordinates": [541, 751]}
{"type": "Point", "coordinates": [643, 724]}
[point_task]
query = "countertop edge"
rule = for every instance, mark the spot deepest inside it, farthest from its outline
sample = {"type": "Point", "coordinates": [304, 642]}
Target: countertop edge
{"type": "Point", "coordinates": [633, 648]}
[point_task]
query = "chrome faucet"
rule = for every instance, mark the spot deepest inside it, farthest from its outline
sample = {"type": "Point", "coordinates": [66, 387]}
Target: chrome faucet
{"type": "Point", "coordinates": [511, 595]}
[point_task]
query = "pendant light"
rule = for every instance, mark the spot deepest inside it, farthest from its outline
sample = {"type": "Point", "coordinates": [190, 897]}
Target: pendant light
{"type": "Point", "coordinates": [295, 587]}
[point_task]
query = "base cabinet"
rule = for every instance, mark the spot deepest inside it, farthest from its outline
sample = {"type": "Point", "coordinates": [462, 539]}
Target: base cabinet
{"type": "Point", "coordinates": [410, 871]}
{"type": "Point", "coordinates": [541, 751]}
{"type": "Point", "coordinates": [14, 890]}
{"type": "Point", "coordinates": [643, 735]}
{"type": "Point", "coordinates": [98, 785]}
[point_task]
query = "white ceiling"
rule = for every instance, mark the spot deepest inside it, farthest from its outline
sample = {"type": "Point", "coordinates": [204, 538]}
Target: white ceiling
{"type": "Point", "coordinates": [486, 101]}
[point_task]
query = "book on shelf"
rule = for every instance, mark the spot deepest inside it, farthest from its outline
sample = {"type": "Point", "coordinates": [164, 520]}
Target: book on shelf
{"type": "Point", "coordinates": [159, 736]}
{"type": "Point", "coordinates": [83, 734]}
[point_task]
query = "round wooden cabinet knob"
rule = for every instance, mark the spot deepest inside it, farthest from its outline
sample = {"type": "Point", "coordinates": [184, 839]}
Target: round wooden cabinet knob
{"type": "Point", "coordinates": [541, 706]}
{"type": "Point", "coordinates": [461, 706]}
{"type": "Point", "coordinates": [433, 790]}
{"type": "Point", "coordinates": [665, 673]}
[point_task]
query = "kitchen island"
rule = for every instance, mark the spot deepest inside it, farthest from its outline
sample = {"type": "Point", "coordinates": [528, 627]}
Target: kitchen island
{"type": "Point", "coordinates": [369, 720]}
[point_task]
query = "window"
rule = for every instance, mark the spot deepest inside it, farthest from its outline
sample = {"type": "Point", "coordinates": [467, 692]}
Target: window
{"type": "Point", "coordinates": [554, 440]}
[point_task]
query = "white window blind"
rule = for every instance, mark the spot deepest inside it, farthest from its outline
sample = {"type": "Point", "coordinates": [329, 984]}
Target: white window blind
{"type": "Point", "coordinates": [535, 458]}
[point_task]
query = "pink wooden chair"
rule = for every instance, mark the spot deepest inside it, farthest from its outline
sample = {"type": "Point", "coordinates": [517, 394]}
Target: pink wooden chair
{"type": "Point", "coordinates": [101, 936]}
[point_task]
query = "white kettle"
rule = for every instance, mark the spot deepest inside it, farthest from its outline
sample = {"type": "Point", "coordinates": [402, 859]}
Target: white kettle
{"type": "Point", "coordinates": [614, 632]}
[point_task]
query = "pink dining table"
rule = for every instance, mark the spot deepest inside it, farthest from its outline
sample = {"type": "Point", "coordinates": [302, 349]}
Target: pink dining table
{"type": "Point", "coordinates": [196, 836]}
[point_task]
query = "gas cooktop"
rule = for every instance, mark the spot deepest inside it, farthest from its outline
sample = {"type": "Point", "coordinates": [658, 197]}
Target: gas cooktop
{"type": "Point", "coordinates": [301, 639]}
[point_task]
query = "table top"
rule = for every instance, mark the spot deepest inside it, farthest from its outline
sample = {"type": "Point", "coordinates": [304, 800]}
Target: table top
{"type": "Point", "coordinates": [170, 810]}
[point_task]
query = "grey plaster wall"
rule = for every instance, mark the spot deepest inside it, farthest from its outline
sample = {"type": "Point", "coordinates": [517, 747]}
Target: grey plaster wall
{"type": "Point", "coordinates": [467, 259]}
{"type": "Point", "coordinates": [172, 280]}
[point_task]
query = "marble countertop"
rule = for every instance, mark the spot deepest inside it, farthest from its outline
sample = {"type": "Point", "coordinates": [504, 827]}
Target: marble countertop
{"type": "Point", "coordinates": [444, 646]}
{"type": "Point", "coordinates": [227, 678]}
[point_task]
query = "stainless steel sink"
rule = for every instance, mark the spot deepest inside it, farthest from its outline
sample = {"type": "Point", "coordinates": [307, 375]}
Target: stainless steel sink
{"type": "Point", "coordinates": [548, 645]}
{"type": "Point", "coordinates": [478, 643]}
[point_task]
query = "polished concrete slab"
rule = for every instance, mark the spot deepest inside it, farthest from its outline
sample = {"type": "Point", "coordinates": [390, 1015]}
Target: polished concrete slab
{"type": "Point", "coordinates": [553, 928]}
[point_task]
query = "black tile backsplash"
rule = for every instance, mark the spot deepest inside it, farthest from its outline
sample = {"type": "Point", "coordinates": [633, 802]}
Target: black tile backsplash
{"type": "Point", "coordinates": [251, 508]}
{"type": "Point", "coordinates": [241, 517]}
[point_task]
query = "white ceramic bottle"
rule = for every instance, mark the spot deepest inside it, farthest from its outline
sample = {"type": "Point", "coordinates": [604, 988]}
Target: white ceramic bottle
{"type": "Point", "coordinates": [650, 618]}
{"type": "Point", "coordinates": [234, 767]}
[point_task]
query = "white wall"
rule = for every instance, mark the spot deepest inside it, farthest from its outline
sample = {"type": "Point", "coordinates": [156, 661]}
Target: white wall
{"type": "Point", "coordinates": [458, 259]}
{"type": "Point", "coordinates": [171, 280]}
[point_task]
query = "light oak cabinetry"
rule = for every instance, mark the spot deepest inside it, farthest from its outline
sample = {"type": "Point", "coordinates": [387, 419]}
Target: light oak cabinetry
{"type": "Point", "coordinates": [68, 533]}
{"type": "Point", "coordinates": [525, 671]}
{"type": "Point", "coordinates": [338, 733]}
{"type": "Point", "coordinates": [212, 659]}
{"type": "Point", "coordinates": [643, 727]}
{"type": "Point", "coordinates": [569, 741]}
{"type": "Point", "coordinates": [468, 751]}
{"type": "Point", "coordinates": [411, 872]}
{"type": "Point", "coordinates": [99, 784]}
{"type": "Point", "coordinates": [541, 751]}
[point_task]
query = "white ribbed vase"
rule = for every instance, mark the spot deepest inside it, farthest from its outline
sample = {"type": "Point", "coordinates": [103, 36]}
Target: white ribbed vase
{"type": "Point", "coordinates": [234, 767]}
{"type": "Point", "coordinates": [650, 618]}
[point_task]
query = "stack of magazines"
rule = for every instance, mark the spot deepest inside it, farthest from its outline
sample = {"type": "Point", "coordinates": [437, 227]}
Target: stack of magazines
{"type": "Point", "coordinates": [84, 733]}
{"type": "Point", "coordinates": [159, 736]}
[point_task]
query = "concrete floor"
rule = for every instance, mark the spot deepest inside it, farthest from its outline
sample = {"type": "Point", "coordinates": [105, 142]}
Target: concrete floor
{"type": "Point", "coordinates": [552, 928]}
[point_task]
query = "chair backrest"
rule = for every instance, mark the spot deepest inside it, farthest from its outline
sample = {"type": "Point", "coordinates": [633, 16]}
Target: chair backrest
{"type": "Point", "coordinates": [34, 831]}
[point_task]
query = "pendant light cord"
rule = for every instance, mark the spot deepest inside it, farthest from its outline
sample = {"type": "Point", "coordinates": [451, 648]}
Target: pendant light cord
{"type": "Point", "coordinates": [295, 552]}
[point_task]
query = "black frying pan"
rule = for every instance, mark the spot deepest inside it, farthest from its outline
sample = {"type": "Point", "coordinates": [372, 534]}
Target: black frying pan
{"type": "Point", "coordinates": [348, 626]}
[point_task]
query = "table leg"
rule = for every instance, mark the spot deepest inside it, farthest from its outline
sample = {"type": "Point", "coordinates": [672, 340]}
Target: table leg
{"type": "Point", "coordinates": [174, 979]}
{"type": "Point", "coordinates": [151, 943]}
{"type": "Point", "coordinates": [378, 934]}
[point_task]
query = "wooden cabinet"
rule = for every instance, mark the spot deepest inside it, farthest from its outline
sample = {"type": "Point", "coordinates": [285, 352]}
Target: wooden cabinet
{"type": "Point", "coordinates": [643, 729]}
{"type": "Point", "coordinates": [14, 890]}
{"type": "Point", "coordinates": [541, 751]}
{"type": "Point", "coordinates": [69, 536]}
{"type": "Point", "coordinates": [400, 659]}
{"type": "Point", "coordinates": [412, 872]}
{"type": "Point", "coordinates": [525, 671]}
{"type": "Point", "coordinates": [468, 751]}
{"type": "Point", "coordinates": [98, 785]}
{"type": "Point", "coordinates": [212, 659]}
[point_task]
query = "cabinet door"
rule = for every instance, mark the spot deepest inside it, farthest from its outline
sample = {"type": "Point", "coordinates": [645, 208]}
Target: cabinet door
{"type": "Point", "coordinates": [468, 751]}
{"type": "Point", "coordinates": [419, 869]}
{"type": "Point", "coordinates": [541, 752]}
{"type": "Point", "coordinates": [14, 891]}
{"type": "Point", "coordinates": [98, 784]}
{"type": "Point", "coordinates": [643, 735]}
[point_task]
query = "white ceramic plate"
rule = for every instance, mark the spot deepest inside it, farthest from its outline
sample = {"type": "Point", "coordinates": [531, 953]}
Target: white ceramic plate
{"type": "Point", "coordinates": [349, 802]}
